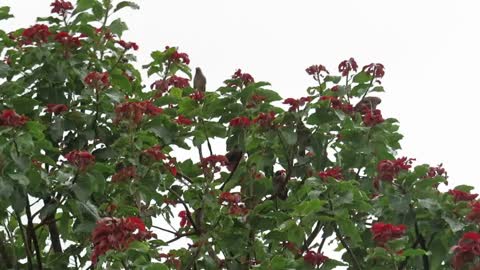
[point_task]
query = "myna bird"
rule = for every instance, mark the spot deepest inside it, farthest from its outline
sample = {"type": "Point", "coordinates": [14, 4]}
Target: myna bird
{"type": "Point", "coordinates": [199, 80]}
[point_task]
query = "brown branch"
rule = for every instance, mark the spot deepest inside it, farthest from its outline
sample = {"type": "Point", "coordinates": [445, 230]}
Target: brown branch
{"type": "Point", "coordinates": [4, 254]}
{"type": "Point", "coordinates": [26, 241]}
{"type": "Point", "coordinates": [32, 234]}
{"type": "Point", "coordinates": [180, 236]}
{"type": "Point", "coordinates": [312, 236]}
{"type": "Point", "coordinates": [189, 215]}
{"type": "Point", "coordinates": [53, 229]}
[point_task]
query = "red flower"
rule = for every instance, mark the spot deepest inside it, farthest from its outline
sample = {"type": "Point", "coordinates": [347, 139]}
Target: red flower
{"type": "Point", "coordinates": [316, 71]}
{"type": "Point", "coordinates": [135, 110]}
{"type": "Point", "coordinates": [184, 221]}
{"type": "Point", "coordinates": [197, 95]}
{"type": "Point", "coordinates": [240, 121]}
{"type": "Point", "coordinates": [376, 70]}
{"type": "Point", "coordinates": [182, 120]}
{"type": "Point", "coordinates": [97, 80]}
{"type": "Point", "coordinates": [459, 195]}
{"type": "Point", "coordinates": [384, 232]}
{"type": "Point", "coordinates": [245, 78]}
{"type": "Point", "coordinates": [335, 173]}
{"type": "Point", "coordinates": [179, 57]}
{"type": "Point", "coordinates": [178, 82]}
{"type": "Point", "coordinates": [265, 119]}
{"type": "Point", "coordinates": [474, 214]}
{"type": "Point", "coordinates": [238, 210]}
{"type": "Point", "coordinates": [124, 174]}
{"type": "Point", "coordinates": [346, 66]}
{"type": "Point", "coordinates": [67, 40]}
{"type": "Point", "coordinates": [389, 169]}
{"type": "Point", "coordinates": [211, 162]}
{"type": "Point", "coordinates": [11, 119]}
{"type": "Point", "coordinates": [372, 118]}
{"type": "Point", "coordinates": [467, 249]}
{"type": "Point", "coordinates": [436, 171]}
{"type": "Point", "coordinates": [292, 247]}
{"type": "Point", "coordinates": [128, 45]}
{"type": "Point", "coordinates": [314, 258]}
{"type": "Point", "coordinates": [61, 7]}
{"type": "Point", "coordinates": [80, 159]}
{"type": "Point", "coordinates": [232, 198]}
{"type": "Point", "coordinates": [56, 108]}
{"type": "Point", "coordinates": [117, 234]}
{"type": "Point", "coordinates": [155, 152]}
{"type": "Point", "coordinates": [38, 33]}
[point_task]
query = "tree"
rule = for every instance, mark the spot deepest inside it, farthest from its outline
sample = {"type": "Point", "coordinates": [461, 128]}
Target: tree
{"type": "Point", "coordinates": [89, 176]}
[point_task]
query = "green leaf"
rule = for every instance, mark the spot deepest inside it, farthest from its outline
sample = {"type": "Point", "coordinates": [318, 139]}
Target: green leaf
{"type": "Point", "coordinates": [362, 77]}
{"type": "Point", "coordinates": [121, 82]}
{"type": "Point", "coordinates": [124, 4]}
{"type": "Point", "coordinates": [139, 246]}
{"type": "Point", "coordinates": [5, 13]}
{"type": "Point", "coordinates": [411, 252]}
{"type": "Point", "coordinates": [289, 136]}
{"type": "Point", "coordinates": [455, 225]}
{"type": "Point", "coordinates": [20, 178]}
{"type": "Point", "coordinates": [86, 4]}
{"type": "Point", "coordinates": [24, 105]}
{"type": "Point", "coordinates": [118, 27]}
{"type": "Point", "coordinates": [4, 69]}
{"type": "Point", "coordinates": [308, 207]}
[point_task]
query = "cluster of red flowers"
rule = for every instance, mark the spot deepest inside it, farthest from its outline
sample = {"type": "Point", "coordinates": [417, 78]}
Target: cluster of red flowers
{"type": "Point", "coordinates": [38, 33]}
{"type": "Point", "coordinates": [179, 57]}
{"type": "Point", "coordinates": [56, 108]}
{"type": "Point", "coordinates": [295, 104]}
{"type": "Point", "coordinates": [376, 70]}
{"type": "Point", "coordinates": [80, 159]}
{"type": "Point", "coordinates": [466, 251]}
{"type": "Point", "coordinates": [117, 234]}
{"type": "Point", "coordinates": [316, 71]}
{"type": "Point", "coordinates": [335, 173]}
{"type": "Point", "coordinates": [372, 118]}
{"type": "Point", "coordinates": [474, 214]}
{"type": "Point", "coordinates": [212, 161]}
{"type": "Point", "coordinates": [384, 232]}
{"type": "Point", "coordinates": [197, 95]}
{"type": "Point", "coordinates": [255, 100]}
{"type": "Point", "coordinates": [459, 195]}
{"type": "Point", "coordinates": [67, 40]}
{"type": "Point", "coordinates": [155, 152]}
{"type": "Point", "coordinates": [241, 121]}
{"type": "Point", "coordinates": [128, 45]}
{"type": "Point", "coordinates": [97, 80]}
{"type": "Point", "coordinates": [135, 110]}
{"type": "Point", "coordinates": [338, 104]}
{"type": "Point", "coordinates": [162, 86]}
{"type": "Point", "coordinates": [347, 65]}
{"type": "Point", "coordinates": [61, 7]}
{"type": "Point", "coordinates": [124, 174]}
{"type": "Point", "coordinates": [245, 78]}
{"type": "Point", "coordinates": [314, 258]}
{"type": "Point", "coordinates": [265, 119]}
{"type": "Point", "coordinates": [238, 210]}
{"type": "Point", "coordinates": [292, 247]}
{"type": "Point", "coordinates": [182, 120]}
{"type": "Point", "coordinates": [230, 197]}
{"type": "Point", "coordinates": [171, 259]}
{"type": "Point", "coordinates": [389, 169]}
{"type": "Point", "coordinates": [184, 221]}
{"type": "Point", "coordinates": [436, 171]}
{"type": "Point", "coordinates": [10, 118]}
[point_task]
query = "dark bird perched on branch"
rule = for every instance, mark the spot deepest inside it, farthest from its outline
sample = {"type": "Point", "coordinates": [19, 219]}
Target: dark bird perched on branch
{"type": "Point", "coordinates": [279, 182]}
{"type": "Point", "coordinates": [199, 80]}
{"type": "Point", "coordinates": [234, 158]}
{"type": "Point", "coordinates": [369, 103]}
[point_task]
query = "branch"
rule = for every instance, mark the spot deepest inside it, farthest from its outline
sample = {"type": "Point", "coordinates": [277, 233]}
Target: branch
{"type": "Point", "coordinates": [347, 247]}
{"type": "Point", "coordinates": [31, 232]}
{"type": "Point", "coordinates": [180, 236]}
{"type": "Point", "coordinates": [421, 241]}
{"type": "Point", "coordinates": [189, 215]}
{"type": "Point", "coordinates": [312, 236]}
{"type": "Point", "coordinates": [4, 254]}
{"type": "Point", "coordinates": [28, 252]}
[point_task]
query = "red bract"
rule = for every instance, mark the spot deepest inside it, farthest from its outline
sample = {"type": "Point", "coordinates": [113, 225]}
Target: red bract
{"type": "Point", "coordinates": [459, 195]}
{"type": "Point", "coordinates": [61, 7]}
{"type": "Point", "coordinates": [10, 118]}
{"type": "Point", "coordinates": [197, 95]}
{"type": "Point", "coordinates": [184, 221]}
{"type": "Point", "coordinates": [292, 247]}
{"type": "Point", "coordinates": [125, 174]}
{"type": "Point", "coordinates": [182, 120]}
{"type": "Point", "coordinates": [335, 172]}
{"type": "Point", "coordinates": [178, 81]}
{"type": "Point", "coordinates": [474, 214]}
{"type": "Point", "coordinates": [384, 232]}
{"type": "Point", "coordinates": [38, 33]}
{"type": "Point", "coordinates": [117, 234]}
{"type": "Point", "coordinates": [179, 57]}
{"type": "Point", "coordinates": [467, 249]}
{"type": "Point", "coordinates": [56, 108]}
{"type": "Point", "coordinates": [314, 258]}
{"type": "Point", "coordinates": [80, 159]}
{"type": "Point", "coordinates": [338, 104]}
{"type": "Point", "coordinates": [238, 210]}
{"type": "Point", "coordinates": [232, 198]}
{"type": "Point", "coordinates": [436, 171]}
{"type": "Point", "coordinates": [244, 77]}
{"type": "Point", "coordinates": [265, 119]}
{"type": "Point", "coordinates": [155, 152]}
{"type": "Point", "coordinates": [389, 169]}
{"type": "Point", "coordinates": [128, 45]}
{"type": "Point", "coordinates": [372, 118]}
{"type": "Point", "coordinates": [376, 70]}
{"type": "Point", "coordinates": [97, 80]}
{"type": "Point", "coordinates": [67, 40]}
{"type": "Point", "coordinates": [295, 104]}
{"type": "Point", "coordinates": [240, 121]}
{"type": "Point", "coordinates": [134, 111]}
{"type": "Point", "coordinates": [211, 161]}
{"type": "Point", "coordinates": [316, 71]}
{"type": "Point", "coordinates": [346, 66]}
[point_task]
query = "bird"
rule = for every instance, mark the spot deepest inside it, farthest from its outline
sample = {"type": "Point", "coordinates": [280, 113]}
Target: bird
{"type": "Point", "coordinates": [367, 103]}
{"type": "Point", "coordinates": [279, 182]}
{"type": "Point", "coordinates": [234, 156]}
{"type": "Point", "coordinates": [199, 80]}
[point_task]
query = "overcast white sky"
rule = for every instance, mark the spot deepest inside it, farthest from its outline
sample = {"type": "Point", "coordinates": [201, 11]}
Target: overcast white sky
{"type": "Point", "coordinates": [431, 50]}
